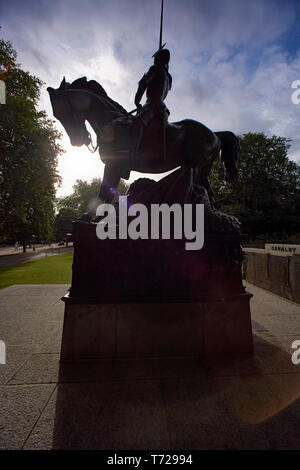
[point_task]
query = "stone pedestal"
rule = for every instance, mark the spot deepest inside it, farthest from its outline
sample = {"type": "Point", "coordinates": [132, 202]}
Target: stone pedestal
{"type": "Point", "coordinates": [112, 271]}
{"type": "Point", "coordinates": [141, 298]}
{"type": "Point", "coordinates": [110, 330]}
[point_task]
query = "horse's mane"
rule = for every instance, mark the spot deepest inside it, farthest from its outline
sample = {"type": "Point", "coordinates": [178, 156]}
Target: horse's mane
{"type": "Point", "coordinates": [95, 87]}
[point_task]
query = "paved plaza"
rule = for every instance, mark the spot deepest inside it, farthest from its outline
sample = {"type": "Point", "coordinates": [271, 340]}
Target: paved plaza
{"type": "Point", "coordinates": [237, 402]}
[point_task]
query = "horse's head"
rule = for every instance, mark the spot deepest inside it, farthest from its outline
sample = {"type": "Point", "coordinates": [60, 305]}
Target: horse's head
{"type": "Point", "coordinates": [70, 108]}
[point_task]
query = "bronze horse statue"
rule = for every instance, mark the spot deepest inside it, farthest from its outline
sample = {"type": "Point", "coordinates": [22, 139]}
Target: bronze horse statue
{"type": "Point", "coordinates": [188, 142]}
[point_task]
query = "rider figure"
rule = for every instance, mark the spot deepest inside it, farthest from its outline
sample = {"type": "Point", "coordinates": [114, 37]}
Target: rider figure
{"type": "Point", "coordinates": [156, 82]}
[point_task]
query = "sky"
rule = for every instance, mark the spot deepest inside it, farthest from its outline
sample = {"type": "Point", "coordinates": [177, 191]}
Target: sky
{"type": "Point", "coordinates": [232, 61]}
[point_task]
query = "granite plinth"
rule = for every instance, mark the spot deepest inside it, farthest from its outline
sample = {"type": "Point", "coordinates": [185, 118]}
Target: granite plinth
{"type": "Point", "coordinates": [118, 330]}
{"type": "Point", "coordinates": [113, 271]}
{"type": "Point", "coordinates": [141, 298]}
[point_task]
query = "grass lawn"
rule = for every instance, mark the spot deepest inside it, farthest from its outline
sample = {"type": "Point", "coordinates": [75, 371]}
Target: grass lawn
{"type": "Point", "coordinates": [52, 270]}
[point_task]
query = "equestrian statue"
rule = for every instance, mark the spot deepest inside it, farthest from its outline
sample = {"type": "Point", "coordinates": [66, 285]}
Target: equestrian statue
{"type": "Point", "coordinates": [146, 142]}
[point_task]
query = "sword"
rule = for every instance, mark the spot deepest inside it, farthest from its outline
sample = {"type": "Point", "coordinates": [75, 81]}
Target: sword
{"type": "Point", "coordinates": [161, 23]}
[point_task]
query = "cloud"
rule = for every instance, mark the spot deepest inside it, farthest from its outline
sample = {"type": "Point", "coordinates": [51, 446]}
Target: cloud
{"type": "Point", "coordinates": [231, 68]}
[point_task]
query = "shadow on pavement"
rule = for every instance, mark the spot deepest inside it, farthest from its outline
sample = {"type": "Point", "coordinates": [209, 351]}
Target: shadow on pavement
{"type": "Point", "coordinates": [234, 402]}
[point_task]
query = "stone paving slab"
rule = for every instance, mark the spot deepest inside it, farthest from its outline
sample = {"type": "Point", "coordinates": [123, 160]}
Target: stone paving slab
{"type": "Point", "coordinates": [45, 368]}
{"type": "Point", "coordinates": [15, 359]}
{"type": "Point", "coordinates": [28, 332]}
{"type": "Point", "coordinates": [110, 415]}
{"type": "Point", "coordinates": [21, 407]}
{"type": "Point", "coordinates": [284, 342]}
{"type": "Point", "coordinates": [265, 307]}
{"type": "Point", "coordinates": [266, 359]}
{"type": "Point", "coordinates": [275, 320]}
{"type": "Point", "coordinates": [261, 419]}
{"type": "Point", "coordinates": [229, 402]}
{"type": "Point", "coordinates": [281, 325]}
{"type": "Point", "coordinates": [27, 290]}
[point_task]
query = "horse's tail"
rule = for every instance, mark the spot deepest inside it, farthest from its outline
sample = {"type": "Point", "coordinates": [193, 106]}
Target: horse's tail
{"type": "Point", "coordinates": [230, 147]}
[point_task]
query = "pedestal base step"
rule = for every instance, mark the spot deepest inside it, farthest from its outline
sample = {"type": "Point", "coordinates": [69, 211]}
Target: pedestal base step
{"type": "Point", "coordinates": [103, 330]}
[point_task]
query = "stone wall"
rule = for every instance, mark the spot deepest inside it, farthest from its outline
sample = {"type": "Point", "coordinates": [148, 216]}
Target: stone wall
{"type": "Point", "coordinates": [279, 274]}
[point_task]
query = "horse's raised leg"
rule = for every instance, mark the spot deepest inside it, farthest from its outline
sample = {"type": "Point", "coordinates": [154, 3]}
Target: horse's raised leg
{"type": "Point", "coordinates": [108, 189]}
{"type": "Point", "coordinates": [110, 182]}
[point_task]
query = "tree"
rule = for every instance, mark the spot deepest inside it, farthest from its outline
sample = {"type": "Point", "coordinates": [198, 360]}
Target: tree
{"type": "Point", "coordinates": [83, 198]}
{"type": "Point", "coordinates": [28, 156]}
{"type": "Point", "coordinates": [63, 222]}
{"type": "Point", "coordinates": [266, 195]}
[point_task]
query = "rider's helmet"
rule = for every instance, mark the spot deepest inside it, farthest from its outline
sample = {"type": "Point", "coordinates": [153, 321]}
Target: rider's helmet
{"type": "Point", "coordinates": [162, 56]}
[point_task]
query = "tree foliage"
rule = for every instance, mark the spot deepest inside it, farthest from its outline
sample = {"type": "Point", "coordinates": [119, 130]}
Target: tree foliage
{"type": "Point", "coordinates": [83, 198]}
{"type": "Point", "coordinates": [63, 222]}
{"type": "Point", "coordinates": [28, 156]}
{"type": "Point", "coordinates": [266, 195]}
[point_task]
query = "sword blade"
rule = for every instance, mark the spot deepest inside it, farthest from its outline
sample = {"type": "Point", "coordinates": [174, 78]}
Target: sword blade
{"type": "Point", "coordinates": [161, 23]}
